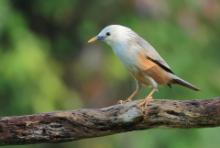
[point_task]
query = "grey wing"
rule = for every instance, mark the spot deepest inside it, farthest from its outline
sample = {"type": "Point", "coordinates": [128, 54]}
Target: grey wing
{"type": "Point", "coordinates": [152, 54]}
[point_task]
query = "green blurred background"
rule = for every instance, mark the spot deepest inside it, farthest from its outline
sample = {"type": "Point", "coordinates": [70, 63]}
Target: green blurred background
{"type": "Point", "coordinates": [47, 65]}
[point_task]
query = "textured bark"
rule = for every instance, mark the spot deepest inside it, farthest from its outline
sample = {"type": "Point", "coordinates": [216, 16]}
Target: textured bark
{"type": "Point", "coordinates": [86, 123]}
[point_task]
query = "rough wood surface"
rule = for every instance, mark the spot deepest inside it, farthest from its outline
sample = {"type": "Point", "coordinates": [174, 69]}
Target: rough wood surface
{"type": "Point", "coordinates": [86, 123]}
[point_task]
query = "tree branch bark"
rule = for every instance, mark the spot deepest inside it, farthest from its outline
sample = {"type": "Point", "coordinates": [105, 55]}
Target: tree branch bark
{"type": "Point", "coordinates": [78, 124]}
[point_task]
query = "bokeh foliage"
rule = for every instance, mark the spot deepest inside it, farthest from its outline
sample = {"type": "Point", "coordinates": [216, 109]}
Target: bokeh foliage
{"type": "Point", "coordinates": [47, 65]}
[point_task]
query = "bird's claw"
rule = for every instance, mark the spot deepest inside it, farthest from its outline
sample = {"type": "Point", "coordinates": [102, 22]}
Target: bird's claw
{"type": "Point", "coordinates": [143, 104]}
{"type": "Point", "coordinates": [124, 101]}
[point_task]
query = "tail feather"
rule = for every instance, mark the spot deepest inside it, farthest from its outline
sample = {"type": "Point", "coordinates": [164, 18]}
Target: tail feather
{"type": "Point", "coordinates": [182, 82]}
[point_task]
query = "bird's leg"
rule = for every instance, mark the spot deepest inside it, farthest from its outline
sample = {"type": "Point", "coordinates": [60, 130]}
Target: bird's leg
{"type": "Point", "coordinates": [134, 93]}
{"type": "Point", "coordinates": [148, 98]}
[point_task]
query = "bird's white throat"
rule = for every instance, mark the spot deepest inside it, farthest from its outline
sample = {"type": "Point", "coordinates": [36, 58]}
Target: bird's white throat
{"type": "Point", "coordinates": [127, 53]}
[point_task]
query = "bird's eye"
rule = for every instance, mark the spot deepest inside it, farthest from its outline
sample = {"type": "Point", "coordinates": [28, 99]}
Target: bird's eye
{"type": "Point", "coordinates": [108, 34]}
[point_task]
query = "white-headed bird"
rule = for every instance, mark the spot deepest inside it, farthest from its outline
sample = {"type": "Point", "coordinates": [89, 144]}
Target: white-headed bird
{"type": "Point", "coordinates": [141, 60]}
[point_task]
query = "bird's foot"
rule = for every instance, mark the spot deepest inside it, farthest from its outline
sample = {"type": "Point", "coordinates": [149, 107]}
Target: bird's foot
{"type": "Point", "coordinates": [143, 104]}
{"type": "Point", "coordinates": [124, 101]}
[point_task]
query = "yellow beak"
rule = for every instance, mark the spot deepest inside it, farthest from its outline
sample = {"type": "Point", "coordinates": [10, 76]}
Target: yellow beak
{"type": "Point", "coordinates": [92, 39]}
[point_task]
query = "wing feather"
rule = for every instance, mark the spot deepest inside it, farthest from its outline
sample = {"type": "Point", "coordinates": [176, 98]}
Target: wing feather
{"type": "Point", "coordinates": [152, 54]}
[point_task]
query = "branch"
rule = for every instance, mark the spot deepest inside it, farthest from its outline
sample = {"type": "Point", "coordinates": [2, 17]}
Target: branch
{"type": "Point", "coordinates": [86, 123]}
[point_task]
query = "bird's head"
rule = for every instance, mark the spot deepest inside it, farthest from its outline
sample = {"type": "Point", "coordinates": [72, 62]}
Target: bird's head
{"type": "Point", "coordinates": [114, 35]}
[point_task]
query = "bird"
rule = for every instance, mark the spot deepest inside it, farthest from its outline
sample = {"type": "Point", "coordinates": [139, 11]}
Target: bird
{"type": "Point", "coordinates": [141, 59]}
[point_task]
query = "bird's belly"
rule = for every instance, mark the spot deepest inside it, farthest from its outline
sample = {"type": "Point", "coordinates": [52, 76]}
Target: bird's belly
{"type": "Point", "coordinates": [144, 76]}
{"type": "Point", "coordinates": [141, 77]}
{"type": "Point", "coordinates": [140, 67]}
